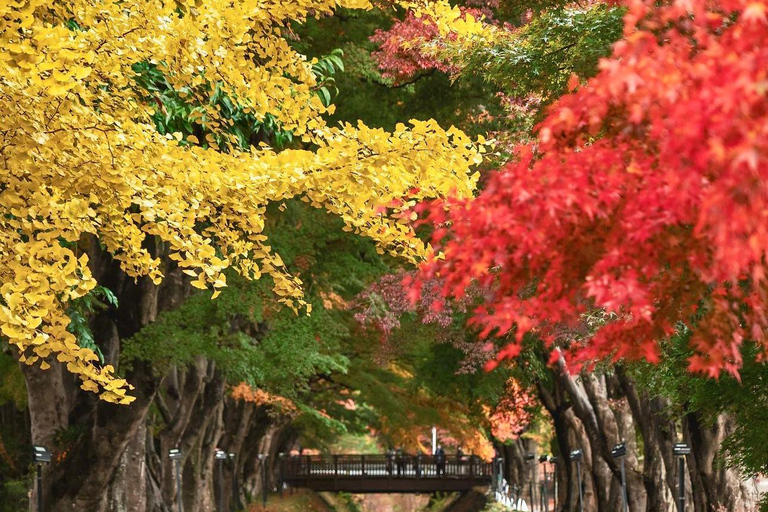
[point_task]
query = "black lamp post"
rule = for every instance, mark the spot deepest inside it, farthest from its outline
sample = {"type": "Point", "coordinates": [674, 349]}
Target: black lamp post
{"type": "Point", "coordinates": [234, 505]}
{"type": "Point", "coordinates": [681, 450]}
{"type": "Point", "coordinates": [576, 457]}
{"type": "Point", "coordinates": [221, 456]}
{"type": "Point", "coordinates": [175, 455]}
{"type": "Point", "coordinates": [544, 494]}
{"type": "Point", "coordinates": [530, 459]}
{"type": "Point", "coordinates": [620, 452]}
{"type": "Point", "coordinates": [41, 456]}
{"type": "Point", "coordinates": [554, 460]}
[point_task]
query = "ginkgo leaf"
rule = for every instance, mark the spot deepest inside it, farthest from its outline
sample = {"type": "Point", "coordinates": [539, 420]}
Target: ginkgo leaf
{"type": "Point", "coordinates": [95, 156]}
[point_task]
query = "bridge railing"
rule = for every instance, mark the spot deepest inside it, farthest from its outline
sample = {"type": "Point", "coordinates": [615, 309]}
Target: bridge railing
{"type": "Point", "coordinates": [384, 466]}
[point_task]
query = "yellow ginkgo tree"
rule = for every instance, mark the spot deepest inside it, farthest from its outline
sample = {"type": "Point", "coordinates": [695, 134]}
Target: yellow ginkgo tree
{"type": "Point", "coordinates": [81, 159]}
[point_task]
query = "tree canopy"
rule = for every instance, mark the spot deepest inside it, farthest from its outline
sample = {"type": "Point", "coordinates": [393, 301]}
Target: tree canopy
{"type": "Point", "coordinates": [642, 196]}
{"type": "Point", "coordinates": [83, 162]}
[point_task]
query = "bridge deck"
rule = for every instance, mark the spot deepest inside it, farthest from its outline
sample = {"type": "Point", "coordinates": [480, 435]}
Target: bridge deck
{"type": "Point", "coordinates": [385, 473]}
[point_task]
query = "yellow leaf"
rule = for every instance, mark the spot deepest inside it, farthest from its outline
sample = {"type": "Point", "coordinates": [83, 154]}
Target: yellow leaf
{"type": "Point", "coordinates": [200, 284]}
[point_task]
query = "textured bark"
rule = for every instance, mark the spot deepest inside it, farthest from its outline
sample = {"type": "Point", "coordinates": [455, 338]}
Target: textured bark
{"type": "Point", "coordinates": [97, 455]}
{"type": "Point", "coordinates": [716, 487]}
{"type": "Point", "coordinates": [48, 404]}
{"type": "Point", "coordinates": [239, 414]}
{"type": "Point", "coordinates": [558, 407]}
{"type": "Point", "coordinates": [104, 431]}
{"type": "Point", "coordinates": [515, 469]}
{"type": "Point", "coordinates": [128, 491]}
{"type": "Point", "coordinates": [659, 495]}
{"type": "Point", "coordinates": [192, 384]}
{"type": "Point", "coordinates": [200, 441]}
{"type": "Point", "coordinates": [603, 470]}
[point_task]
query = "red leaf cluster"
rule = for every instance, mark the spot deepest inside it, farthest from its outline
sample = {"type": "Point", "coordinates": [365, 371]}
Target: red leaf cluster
{"type": "Point", "coordinates": [646, 196]}
{"type": "Point", "coordinates": [401, 54]}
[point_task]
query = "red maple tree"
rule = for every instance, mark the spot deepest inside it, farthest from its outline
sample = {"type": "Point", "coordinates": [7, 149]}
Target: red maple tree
{"type": "Point", "coordinates": [400, 55]}
{"type": "Point", "coordinates": [645, 195]}
{"type": "Point", "coordinates": [510, 417]}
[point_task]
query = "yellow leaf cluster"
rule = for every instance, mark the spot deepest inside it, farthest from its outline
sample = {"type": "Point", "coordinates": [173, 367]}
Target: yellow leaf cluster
{"type": "Point", "coordinates": [450, 20]}
{"type": "Point", "coordinates": [80, 157]}
{"type": "Point", "coordinates": [460, 32]}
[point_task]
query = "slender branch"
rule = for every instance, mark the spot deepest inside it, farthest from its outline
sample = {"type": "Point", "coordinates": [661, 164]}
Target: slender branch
{"type": "Point", "coordinates": [165, 412]}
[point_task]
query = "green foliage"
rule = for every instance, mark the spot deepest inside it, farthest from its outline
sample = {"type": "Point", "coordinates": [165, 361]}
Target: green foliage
{"type": "Point", "coordinates": [13, 388]}
{"type": "Point", "coordinates": [745, 400]}
{"type": "Point", "coordinates": [495, 507]}
{"type": "Point", "coordinates": [314, 245]}
{"type": "Point", "coordinates": [437, 369]}
{"type": "Point", "coordinates": [540, 57]}
{"type": "Point", "coordinates": [324, 69]}
{"type": "Point", "coordinates": [249, 335]}
{"type": "Point", "coordinates": [515, 11]}
{"type": "Point", "coordinates": [366, 95]}
{"type": "Point", "coordinates": [80, 310]}
{"type": "Point", "coordinates": [317, 427]}
{"type": "Point", "coordinates": [14, 495]}
{"type": "Point", "coordinates": [249, 340]}
{"type": "Point", "coordinates": [177, 113]}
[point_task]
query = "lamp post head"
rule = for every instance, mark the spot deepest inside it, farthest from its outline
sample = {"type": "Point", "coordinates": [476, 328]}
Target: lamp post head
{"type": "Point", "coordinates": [174, 454]}
{"type": "Point", "coordinates": [530, 457]}
{"type": "Point", "coordinates": [543, 458]}
{"type": "Point", "coordinates": [263, 456]}
{"type": "Point", "coordinates": [681, 449]}
{"type": "Point", "coordinates": [576, 455]}
{"type": "Point", "coordinates": [620, 450]}
{"type": "Point", "coordinates": [553, 460]}
{"type": "Point", "coordinates": [231, 456]}
{"type": "Point", "coordinates": [41, 454]}
{"type": "Point", "coordinates": [221, 454]}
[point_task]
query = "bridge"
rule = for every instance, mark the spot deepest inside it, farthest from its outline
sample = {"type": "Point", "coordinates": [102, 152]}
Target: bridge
{"type": "Point", "coordinates": [386, 473]}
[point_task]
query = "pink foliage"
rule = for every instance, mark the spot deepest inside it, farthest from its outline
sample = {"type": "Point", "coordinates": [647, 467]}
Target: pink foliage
{"type": "Point", "coordinates": [388, 299]}
{"type": "Point", "coordinates": [400, 54]}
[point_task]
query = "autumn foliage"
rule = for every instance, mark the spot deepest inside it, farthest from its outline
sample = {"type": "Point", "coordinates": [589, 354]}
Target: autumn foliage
{"type": "Point", "coordinates": [644, 197]}
{"type": "Point", "coordinates": [399, 56]}
{"type": "Point", "coordinates": [413, 45]}
{"type": "Point", "coordinates": [262, 398]}
{"type": "Point", "coordinates": [512, 414]}
{"type": "Point", "coordinates": [84, 168]}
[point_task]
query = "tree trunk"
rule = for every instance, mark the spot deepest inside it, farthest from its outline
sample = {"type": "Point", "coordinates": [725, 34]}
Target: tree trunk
{"type": "Point", "coordinates": [48, 405]}
{"type": "Point", "coordinates": [104, 431]}
{"type": "Point", "coordinates": [556, 404]}
{"type": "Point", "coordinates": [604, 471]}
{"type": "Point", "coordinates": [715, 487]}
{"type": "Point", "coordinates": [659, 495]}
{"type": "Point", "coordinates": [128, 491]}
